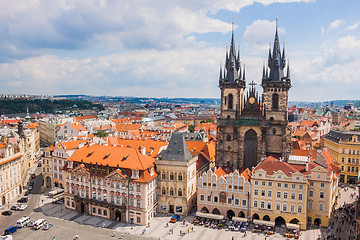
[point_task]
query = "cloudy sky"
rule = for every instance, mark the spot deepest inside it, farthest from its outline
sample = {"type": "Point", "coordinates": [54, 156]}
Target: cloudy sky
{"type": "Point", "coordinates": [162, 48]}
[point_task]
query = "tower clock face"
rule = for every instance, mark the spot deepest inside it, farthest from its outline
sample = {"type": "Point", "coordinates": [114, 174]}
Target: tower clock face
{"type": "Point", "coordinates": [252, 100]}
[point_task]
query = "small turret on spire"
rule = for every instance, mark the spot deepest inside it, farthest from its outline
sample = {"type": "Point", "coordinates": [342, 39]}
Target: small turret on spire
{"type": "Point", "coordinates": [244, 73]}
{"type": "Point", "coordinates": [283, 55]}
{"type": "Point", "coordinates": [288, 70]}
{"type": "Point", "coordinates": [220, 76]}
{"type": "Point", "coordinates": [263, 74]}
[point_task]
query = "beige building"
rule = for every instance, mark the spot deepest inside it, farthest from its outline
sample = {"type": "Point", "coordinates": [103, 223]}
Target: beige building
{"type": "Point", "coordinates": [177, 183]}
{"type": "Point", "coordinates": [10, 177]}
{"type": "Point", "coordinates": [118, 183]}
{"type": "Point", "coordinates": [224, 194]}
{"type": "Point", "coordinates": [301, 191]}
{"type": "Point", "coordinates": [47, 129]}
{"type": "Point", "coordinates": [47, 166]}
{"type": "Point", "coordinates": [345, 149]}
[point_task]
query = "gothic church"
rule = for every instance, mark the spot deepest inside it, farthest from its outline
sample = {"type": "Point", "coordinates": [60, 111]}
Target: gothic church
{"type": "Point", "coordinates": [251, 127]}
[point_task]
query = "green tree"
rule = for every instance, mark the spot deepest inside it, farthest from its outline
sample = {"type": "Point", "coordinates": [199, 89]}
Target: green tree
{"type": "Point", "coordinates": [101, 134]}
{"type": "Point", "coordinates": [191, 128]}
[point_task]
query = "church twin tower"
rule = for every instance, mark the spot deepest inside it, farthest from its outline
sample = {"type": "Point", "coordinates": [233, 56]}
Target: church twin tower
{"type": "Point", "coordinates": [251, 127]}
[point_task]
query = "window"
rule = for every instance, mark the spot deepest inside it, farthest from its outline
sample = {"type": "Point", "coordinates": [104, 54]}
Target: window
{"type": "Point", "coordinates": [300, 196]}
{"type": "Point", "coordinates": [270, 184]}
{"type": "Point", "coordinates": [237, 201]}
{"type": "Point", "coordinates": [171, 191]}
{"type": "Point", "coordinates": [163, 191]}
{"type": "Point", "coordinates": [123, 186]}
{"type": "Point", "coordinates": [284, 207]}
{"type": "Point", "coordinates": [275, 101]}
{"type": "Point", "coordinates": [318, 176]}
{"type": "Point", "coordinates": [343, 160]}
{"type": "Point", "coordinates": [263, 183]}
{"type": "Point", "coordinates": [180, 192]}
{"type": "Point", "coordinates": [105, 213]}
{"type": "Point", "coordinates": [117, 200]}
{"type": "Point", "coordinates": [209, 198]}
{"type": "Point", "coordinates": [229, 201]}
{"type": "Point", "coordinates": [180, 177]}
{"type": "Point", "coordinates": [278, 206]}
{"type": "Point", "coordinates": [321, 194]}
{"type": "Point", "coordinates": [202, 197]}
{"type": "Point", "coordinates": [269, 193]}
{"type": "Point", "coordinates": [286, 185]}
{"type": "Point", "coordinates": [99, 211]}
{"type": "Point", "coordinates": [262, 204]}
{"type": "Point", "coordinates": [311, 184]}
{"type": "Point", "coordinates": [138, 187]}
{"type": "Point", "coordinates": [138, 203]}
{"type": "Point", "coordinates": [131, 187]}
{"type": "Point", "coordinates": [293, 196]}
{"type": "Point", "coordinates": [230, 102]}
{"type": "Point", "coordinates": [311, 193]}
{"type": "Point", "coordinates": [94, 210]}
{"type": "Point", "coordinates": [301, 187]}
{"type": "Point", "coordinates": [293, 186]}
{"type": "Point", "coordinates": [163, 176]}
{"type": "Point", "coordinates": [244, 202]}
{"type": "Point", "coordinates": [263, 193]}
{"type": "Point", "coordinates": [285, 195]}
{"type": "Point", "coordinates": [299, 209]}
{"type": "Point", "coordinates": [310, 205]}
{"type": "Point", "coordinates": [255, 204]}
{"type": "Point", "coordinates": [171, 176]}
{"type": "Point", "coordinates": [292, 208]}
{"type": "Point", "coordinates": [256, 183]}
{"type": "Point", "coordinates": [322, 184]}
{"type": "Point", "coordinates": [269, 205]}
{"type": "Point", "coordinates": [279, 184]}
{"type": "Point", "coordinates": [321, 207]}
{"type": "Point", "coordinates": [256, 192]}
{"type": "Point", "coordinates": [216, 199]}
{"type": "Point", "coordinates": [278, 194]}
{"type": "Point", "coordinates": [138, 219]}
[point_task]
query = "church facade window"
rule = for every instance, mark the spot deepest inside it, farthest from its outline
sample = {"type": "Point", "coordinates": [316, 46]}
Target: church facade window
{"type": "Point", "coordinates": [275, 101]}
{"type": "Point", "coordinates": [230, 104]}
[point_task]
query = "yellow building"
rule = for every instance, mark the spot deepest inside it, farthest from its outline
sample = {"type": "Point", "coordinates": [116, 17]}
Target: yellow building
{"type": "Point", "coordinates": [300, 191]}
{"type": "Point", "coordinates": [345, 150]}
{"type": "Point", "coordinates": [177, 182]}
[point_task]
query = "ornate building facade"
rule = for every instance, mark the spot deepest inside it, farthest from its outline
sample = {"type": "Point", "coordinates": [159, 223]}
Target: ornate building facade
{"type": "Point", "coordinates": [177, 181]}
{"type": "Point", "coordinates": [251, 127]}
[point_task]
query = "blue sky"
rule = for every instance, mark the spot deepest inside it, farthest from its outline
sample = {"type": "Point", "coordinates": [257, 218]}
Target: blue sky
{"type": "Point", "coordinates": [174, 48]}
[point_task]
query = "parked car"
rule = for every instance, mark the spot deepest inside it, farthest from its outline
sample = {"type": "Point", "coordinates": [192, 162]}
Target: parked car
{"type": "Point", "coordinates": [10, 230]}
{"type": "Point", "coordinates": [30, 187]}
{"type": "Point", "coordinates": [31, 223]}
{"type": "Point", "coordinates": [175, 218]}
{"type": "Point", "coordinates": [15, 207]}
{"type": "Point", "coordinates": [22, 207]}
{"type": "Point", "coordinates": [23, 200]}
{"type": "Point", "coordinates": [47, 226]}
{"type": "Point", "coordinates": [33, 176]}
{"type": "Point", "coordinates": [6, 213]}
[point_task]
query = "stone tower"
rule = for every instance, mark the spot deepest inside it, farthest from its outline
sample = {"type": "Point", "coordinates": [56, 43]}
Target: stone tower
{"type": "Point", "coordinates": [276, 87]}
{"type": "Point", "coordinates": [252, 127]}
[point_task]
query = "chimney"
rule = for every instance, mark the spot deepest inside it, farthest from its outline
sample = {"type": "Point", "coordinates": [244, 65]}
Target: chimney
{"type": "Point", "coordinates": [307, 166]}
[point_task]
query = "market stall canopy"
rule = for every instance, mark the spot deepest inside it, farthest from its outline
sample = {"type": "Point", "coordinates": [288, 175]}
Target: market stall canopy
{"type": "Point", "coordinates": [239, 219]}
{"type": "Point", "coordinates": [265, 223]}
{"type": "Point", "coordinates": [293, 226]}
{"type": "Point", "coordinates": [209, 215]}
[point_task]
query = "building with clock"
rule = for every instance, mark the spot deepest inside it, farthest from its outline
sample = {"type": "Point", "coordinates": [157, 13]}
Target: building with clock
{"type": "Point", "coordinates": [253, 126]}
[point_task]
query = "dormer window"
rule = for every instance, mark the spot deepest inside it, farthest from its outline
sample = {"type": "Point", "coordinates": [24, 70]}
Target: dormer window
{"type": "Point", "coordinates": [151, 171]}
{"type": "Point", "coordinates": [135, 174]}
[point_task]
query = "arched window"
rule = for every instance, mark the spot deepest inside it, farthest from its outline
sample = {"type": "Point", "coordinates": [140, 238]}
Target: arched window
{"type": "Point", "coordinates": [163, 175]}
{"type": "Point", "coordinates": [229, 148]}
{"type": "Point", "coordinates": [171, 176]}
{"type": "Point", "coordinates": [171, 191]}
{"type": "Point", "coordinates": [180, 192]}
{"type": "Point", "coordinates": [275, 101]}
{"type": "Point", "coordinates": [230, 104]}
{"type": "Point", "coordinates": [163, 191]}
{"type": "Point", "coordinates": [228, 138]}
{"type": "Point", "coordinates": [180, 177]}
{"type": "Point", "coordinates": [225, 100]}
{"type": "Point", "coordinates": [274, 131]}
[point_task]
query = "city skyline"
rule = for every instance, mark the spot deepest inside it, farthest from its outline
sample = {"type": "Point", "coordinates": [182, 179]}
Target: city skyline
{"type": "Point", "coordinates": [163, 49]}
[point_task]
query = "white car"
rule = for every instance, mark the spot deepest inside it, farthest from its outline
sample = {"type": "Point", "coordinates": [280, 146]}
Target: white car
{"type": "Point", "coordinates": [22, 207]}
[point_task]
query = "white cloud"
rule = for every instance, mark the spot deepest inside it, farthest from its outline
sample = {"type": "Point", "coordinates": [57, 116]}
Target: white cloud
{"type": "Point", "coordinates": [352, 27]}
{"type": "Point", "coordinates": [322, 30]}
{"type": "Point", "coordinates": [260, 33]}
{"type": "Point", "coordinates": [335, 24]}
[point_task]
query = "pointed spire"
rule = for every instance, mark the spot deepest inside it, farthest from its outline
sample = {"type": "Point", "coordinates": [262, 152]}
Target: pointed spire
{"type": "Point", "coordinates": [220, 76]}
{"type": "Point", "coordinates": [288, 70]}
{"type": "Point", "coordinates": [244, 73]}
{"type": "Point", "coordinates": [263, 74]}
{"type": "Point", "coordinates": [283, 56]}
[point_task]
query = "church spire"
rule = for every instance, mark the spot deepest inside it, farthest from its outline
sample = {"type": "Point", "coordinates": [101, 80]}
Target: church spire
{"type": "Point", "coordinates": [288, 70]}
{"type": "Point", "coordinates": [276, 61]}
